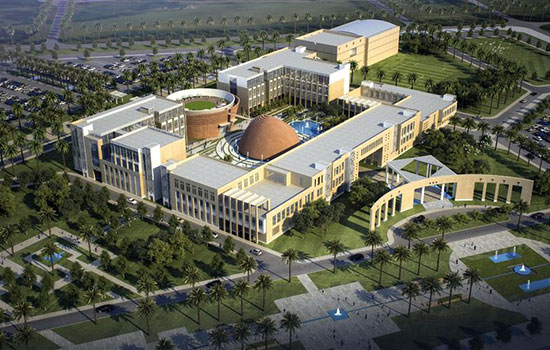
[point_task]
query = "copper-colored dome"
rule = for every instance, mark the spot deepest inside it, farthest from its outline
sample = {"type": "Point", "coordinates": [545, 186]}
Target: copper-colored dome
{"type": "Point", "coordinates": [267, 137]}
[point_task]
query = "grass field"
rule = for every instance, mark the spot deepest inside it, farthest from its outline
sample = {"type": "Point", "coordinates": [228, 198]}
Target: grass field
{"type": "Point", "coordinates": [368, 275]}
{"type": "Point", "coordinates": [180, 315]}
{"type": "Point", "coordinates": [534, 60]}
{"type": "Point", "coordinates": [427, 331]}
{"type": "Point", "coordinates": [199, 105]}
{"type": "Point", "coordinates": [52, 160]}
{"type": "Point", "coordinates": [501, 277]}
{"type": "Point", "coordinates": [18, 13]}
{"type": "Point", "coordinates": [539, 232]}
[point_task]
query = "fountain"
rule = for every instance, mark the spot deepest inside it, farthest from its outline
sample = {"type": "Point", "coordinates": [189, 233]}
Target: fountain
{"type": "Point", "coordinates": [528, 284]}
{"type": "Point", "coordinates": [338, 313]}
{"type": "Point", "coordinates": [522, 270]}
{"type": "Point", "coordinates": [496, 254]}
{"type": "Point", "coordinates": [514, 249]}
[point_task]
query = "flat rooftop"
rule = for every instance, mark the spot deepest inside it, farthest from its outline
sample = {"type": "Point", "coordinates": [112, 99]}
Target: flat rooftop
{"type": "Point", "coordinates": [208, 171]}
{"type": "Point", "coordinates": [276, 192]}
{"type": "Point", "coordinates": [348, 135]}
{"type": "Point", "coordinates": [146, 136]}
{"type": "Point", "coordinates": [329, 38]}
{"type": "Point", "coordinates": [365, 27]}
{"type": "Point", "coordinates": [127, 114]}
{"type": "Point", "coordinates": [424, 102]}
{"type": "Point", "coordinates": [283, 58]}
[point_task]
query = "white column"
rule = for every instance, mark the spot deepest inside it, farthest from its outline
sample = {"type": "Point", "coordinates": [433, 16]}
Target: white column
{"type": "Point", "coordinates": [387, 175]}
{"type": "Point", "coordinates": [392, 178]}
{"type": "Point", "coordinates": [422, 196]}
{"type": "Point", "coordinates": [442, 192]}
{"type": "Point", "coordinates": [397, 182]}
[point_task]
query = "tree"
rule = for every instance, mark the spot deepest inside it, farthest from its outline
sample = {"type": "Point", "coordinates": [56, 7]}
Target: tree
{"type": "Point", "coordinates": [105, 259]}
{"type": "Point", "coordinates": [411, 230]}
{"type": "Point", "coordinates": [380, 74]}
{"type": "Point", "coordinates": [22, 310]}
{"type": "Point", "coordinates": [217, 265]}
{"type": "Point", "coordinates": [241, 332]}
{"type": "Point", "coordinates": [7, 234]}
{"type": "Point", "coordinates": [439, 245]}
{"type": "Point", "coordinates": [364, 72]}
{"type": "Point", "coordinates": [381, 257]}
{"type": "Point", "coordinates": [454, 121]}
{"type": "Point", "coordinates": [121, 265]}
{"type": "Point", "coordinates": [412, 78]}
{"type": "Point", "coordinates": [218, 337]}
{"type": "Point", "coordinates": [141, 209]}
{"type": "Point", "coordinates": [46, 215]}
{"type": "Point", "coordinates": [288, 256]}
{"type": "Point", "coordinates": [401, 253]}
{"type": "Point", "coordinates": [147, 308]}
{"type": "Point", "coordinates": [157, 215]}
{"type": "Point", "coordinates": [23, 335]}
{"type": "Point", "coordinates": [473, 276]}
{"type": "Point", "coordinates": [353, 67]}
{"type": "Point", "coordinates": [497, 131]}
{"type": "Point", "coordinates": [196, 298]}
{"type": "Point", "coordinates": [503, 333]}
{"type": "Point", "coordinates": [374, 240]}
{"type": "Point", "coordinates": [88, 234]}
{"type": "Point", "coordinates": [241, 289]}
{"type": "Point", "coordinates": [520, 207]}
{"type": "Point", "coordinates": [335, 247]}
{"type": "Point", "coordinates": [396, 77]}
{"type": "Point", "coordinates": [534, 326]}
{"type": "Point", "coordinates": [263, 283]}
{"type": "Point", "coordinates": [475, 343]}
{"type": "Point", "coordinates": [453, 281]}
{"type": "Point", "coordinates": [420, 249]}
{"type": "Point", "coordinates": [411, 291]}
{"type": "Point", "coordinates": [28, 277]}
{"type": "Point", "coordinates": [165, 344]}
{"type": "Point", "coordinates": [50, 250]}
{"type": "Point", "coordinates": [217, 293]}
{"type": "Point", "coordinates": [267, 328]}
{"type": "Point", "coordinates": [290, 322]}
{"type": "Point", "coordinates": [228, 245]}
{"type": "Point", "coordinates": [145, 284]}
{"type": "Point", "coordinates": [248, 265]}
{"type": "Point", "coordinates": [443, 224]}
{"type": "Point", "coordinates": [93, 295]}
{"type": "Point", "coordinates": [468, 124]}
{"type": "Point", "coordinates": [431, 285]}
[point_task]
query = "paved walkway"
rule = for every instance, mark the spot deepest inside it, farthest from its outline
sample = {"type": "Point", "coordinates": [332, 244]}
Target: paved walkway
{"type": "Point", "coordinates": [56, 338]}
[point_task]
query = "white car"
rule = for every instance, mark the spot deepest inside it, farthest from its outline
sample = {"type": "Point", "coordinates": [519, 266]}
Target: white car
{"type": "Point", "coordinates": [256, 251]}
{"type": "Point", "coordinates": [132, 201]}
{"type": "Point", "coordinates": [215, 235]}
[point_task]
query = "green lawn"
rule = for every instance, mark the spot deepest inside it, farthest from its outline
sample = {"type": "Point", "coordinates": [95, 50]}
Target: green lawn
{"type": "Point", "coordinates": [539, 232]}
{"type": "Point", "coordinates": [368, 275]}
{"type": "Point", "coordinates": [179, 315]}
{"type": "Point", "coordinates": [534, 60]}
{"type": "Point", "coordinates": [199, 105]}
{"type": "Point", "coordinates": [498, 104]}
{"type": "Point", "coordinates": [501, 277]}
{"type": "Point", "coordinates": [426, 331]}
{"type": "Point", "coordinates": [350, 230]}
{"type": "Point", "coordinates": [37, 342]}
{"type": "Point", "coordinates": [459, 226]}
{"type": "Point", "coordinates": [51, 160]}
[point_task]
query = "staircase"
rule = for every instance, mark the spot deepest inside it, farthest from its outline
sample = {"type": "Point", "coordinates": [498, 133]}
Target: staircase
{"type": "Point", "coordinates": [438, 205]}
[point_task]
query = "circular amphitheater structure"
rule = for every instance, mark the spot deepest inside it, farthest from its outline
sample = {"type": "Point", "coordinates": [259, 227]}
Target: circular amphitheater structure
{"type": "Point", "coordinates": [209, 113]}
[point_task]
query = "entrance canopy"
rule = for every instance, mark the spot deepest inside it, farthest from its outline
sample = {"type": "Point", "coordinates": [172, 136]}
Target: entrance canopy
{"type": "Point", "coordinates": [413, 169]}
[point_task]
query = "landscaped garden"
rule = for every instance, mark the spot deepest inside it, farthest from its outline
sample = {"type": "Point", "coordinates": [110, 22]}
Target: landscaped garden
{"type": "Point", "coordinates": [501, 276]}
{"type": "Point", "coordinates": [422, 330]}
{"type": "Point", "coordinates": [199, 105]}
{"type": "Point", "coordinates": [540, 232]}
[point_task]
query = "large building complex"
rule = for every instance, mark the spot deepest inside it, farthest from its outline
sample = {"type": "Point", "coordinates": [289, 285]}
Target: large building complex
{"type": "Point", "coordinates": [124, 146]}
{"type": "Point", "coordinates": [363, 41]}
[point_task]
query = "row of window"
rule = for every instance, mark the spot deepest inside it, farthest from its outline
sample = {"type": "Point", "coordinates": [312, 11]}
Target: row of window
{"type": "Point", "coordinates": [371, 146]}
{"type": "Point", "coordinates": [195, 190]}
{"type": "Point", "coordinates": [121, 179]}
{"type": "Point", "coordinates": [249, 181]}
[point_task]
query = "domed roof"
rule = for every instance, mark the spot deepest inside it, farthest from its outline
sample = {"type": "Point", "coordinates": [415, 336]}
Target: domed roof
{"type": "Point", "coordinates": [266, 137]}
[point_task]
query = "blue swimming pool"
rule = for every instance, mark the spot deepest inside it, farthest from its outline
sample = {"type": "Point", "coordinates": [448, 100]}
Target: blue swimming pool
{"type": "Point", "coordinates": [536, 285]}
{"type": "Point", "coordinates": [306, 127]}
{"type": "Point", "coordinates": [504, 257]}
{"type": "Point", "coordinates": [56, 257]}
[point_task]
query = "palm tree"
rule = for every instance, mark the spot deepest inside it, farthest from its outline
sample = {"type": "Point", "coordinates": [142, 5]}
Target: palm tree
{"type": "Point", "coordinates": [165, 344]}
{"type": "Point", "coordinates": [192, 275]}
{"type": "Point", "coordinates": [290, 322]}
{"type": "Point", "coordinates": [146, 309]}
{"type": "Point", "coordinates": [396, 77]}
{"type": "Point", "coordinates": [145, 284]}
{"type": "Point", "coordinates": [521, 142]}
{"type": "Point", "coordinates": [308, 19]}
{"type": "Point", "coordinates": [11, 152]}
{"type": "Point", "coordinates": [443, 224]}
{"type": "Point", "coordinates": [289, 38]}
{"type": "Point", "coordinates": [37, 148]}
{"type": "Point", "coordinates": [62, 147]}
{"type": "Point", "coordinates": [22, 310]}
{"type": "Point", "coordinates": [411, 78]}
{"type": "Point", "coordinates": [497, 131]}
{"type": "Point", "coordinates": [411, 291]}
{"type": "Point", "coordinates": [241, 332]}
{"type": "Point", "coordinates": [263, 283]}
{"type": "Point", "coordinates": [241, 289]}
{"type": "Point", "coordinates": [352, 67]}
{"type": "Point", "coordinates": [218, 337]}
{"type": "Point", "coordinates": [288, 256]}
{"type": "Point", "coordinates": [334, 248]}
{"type": "Point", "coordinates": [374, 240]}
{"type": "Point", "coordinates": [7, 234]}
{"type": "Point", "coordinates": [88, 234]}
{"type": "Point", "coordinates": [483, 127]}
{"type": "Point", "coordinates": [520, 207]}
{"type": "Point", "coordinates": [267, 327]}
{"type": "Point", "coordinates": [401, 253]}
{"type": "Point", "coordinates": [439, 245]}
{"type": "Point", "coordinates": [420, 249]}
{"type": "Point", "coordinates": [453, 281]}
{"type": "Point", "coordinates": [454, 121]}
{"type": "Point", "coordinates": [50, 250]}
{"type": "Point", "coordinates": [469, 123]}
{"type": "Point", "coordinates": [237, 21]}
{"type": "Point", "coordinates": [196, 298]}
{"type": "Point", "coordinates": [473, 276]}
{"type": "Point", "coordinates": [23, 335]}
{"type": "Point", "coordinates": [381, 257]}
{"type": "Point", "coordinates": [429, 84]}
{"type": "Point", "coordinates": [364, 72]}
{"type": "Point", "coordinates": [411, 231]}
{"type": "Point", "coordinates": [380, 74]}
{"type": "Point", "coordinates": [431, 284]}
{"type": "Point", "coordinates": [295, 17]}
{"type": "Point", "coordinates": [217, 293]}
{"type": "Point", "coordinates": [248, 265]}
{"type": "Point", "coordinates": [274, 37]}
{"type": "Point", "coordinates": [17, 110]}
{"type": "Point", "coordinates": [94, 295]}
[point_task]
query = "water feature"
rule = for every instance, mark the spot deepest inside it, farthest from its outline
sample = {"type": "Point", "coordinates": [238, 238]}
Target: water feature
{"type": "Point", "coordinates": [536, 285]}
{"type": "Point", "coordinates": [306, 127]}
{"type": "Point", "coordinates": [498, 258]}
{"type": "Point", "coordinates": [338, 314]}
{"type": "Point", "coordinates": [53, 258]}
{"type": "Point", "coordinates": [522, 270]}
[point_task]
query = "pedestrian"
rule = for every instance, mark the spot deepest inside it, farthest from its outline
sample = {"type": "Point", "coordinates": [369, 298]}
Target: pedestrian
{"type": "Point", "coordinates": [342, 342]}
{"type": "Point", "coordinates": [354, 303]}
{"type": "Point", "coordinates": [475, 247]}
{"type": "Point", "coordinates": [490, 291]}
{"type": "Point", "coordinates": [366, 315]}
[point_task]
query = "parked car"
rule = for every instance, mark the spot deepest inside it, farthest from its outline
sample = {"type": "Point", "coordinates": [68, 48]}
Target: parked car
{"type": "Point", "coordinates": [534, 93]}
{"type": "Point", "coordinates": [419, 219]}
{"type": "Point", "coordinates": [523, 101]}
{"type": "Point", "coordinates": [105, 308]}
{"type": "Point", "coordinates": [256, 251]}
{"type": "Point", "coordinates": [537, 216]}
{"type": "Point", "coordinates": [213, 284]}
{"type": "Point", "coordinates": [132, 201]}
{"type": "Point", "coordinates": [357, 257]}
{"type": "Point", "coordinates": [215, 235]}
